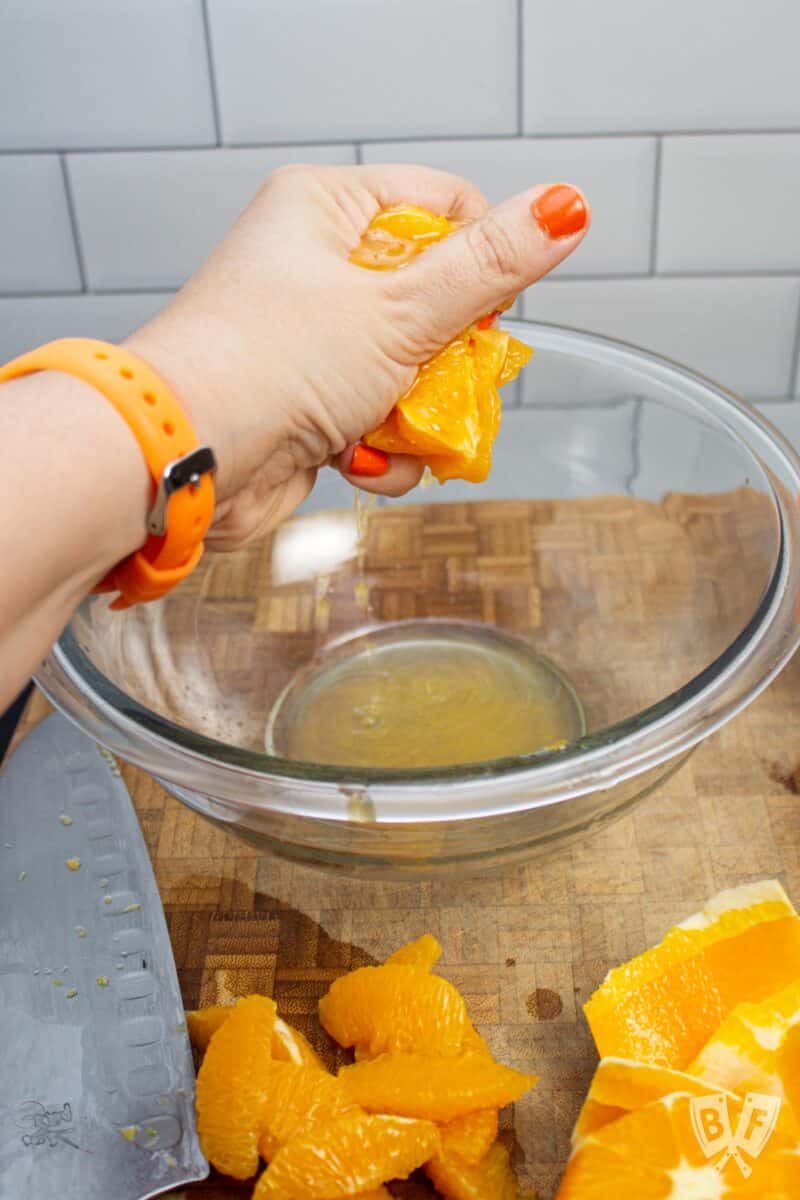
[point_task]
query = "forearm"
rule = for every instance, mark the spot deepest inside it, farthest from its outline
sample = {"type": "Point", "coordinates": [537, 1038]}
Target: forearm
{"type": "Point", "coordinates": [74, 495]}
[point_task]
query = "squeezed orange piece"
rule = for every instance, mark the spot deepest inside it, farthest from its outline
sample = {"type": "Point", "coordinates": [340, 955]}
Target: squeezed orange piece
{"type": "Point", "coordinates": [450, 415]}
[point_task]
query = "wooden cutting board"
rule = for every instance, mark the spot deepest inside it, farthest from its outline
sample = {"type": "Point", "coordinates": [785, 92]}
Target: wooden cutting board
{"type": "Point", "coordinates": [527, 946]}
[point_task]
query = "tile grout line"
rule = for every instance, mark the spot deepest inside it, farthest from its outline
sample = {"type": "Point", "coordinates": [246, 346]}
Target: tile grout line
{"type": "Point", "coordinates": [520, 68]}
{"type": "Point", "coordinates": [530, 135]}
{"type": "Point", "coordinates": [212, 72]}
{"type": "Point", "coordinates": [656, 215]}
{"type": "Point", "coordinates": [72, 214]}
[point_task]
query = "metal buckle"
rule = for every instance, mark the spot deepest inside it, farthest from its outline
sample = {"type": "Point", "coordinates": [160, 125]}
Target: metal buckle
{"type": "Point", "coordinates": [181, 473]}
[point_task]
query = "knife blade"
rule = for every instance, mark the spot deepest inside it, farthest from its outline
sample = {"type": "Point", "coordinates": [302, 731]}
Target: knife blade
{"type": "Point", "coordinates": [97, 1095]}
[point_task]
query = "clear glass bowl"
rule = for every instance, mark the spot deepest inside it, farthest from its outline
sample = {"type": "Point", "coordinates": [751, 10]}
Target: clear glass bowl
{"type": "Point", "coordinates": [639, 531]}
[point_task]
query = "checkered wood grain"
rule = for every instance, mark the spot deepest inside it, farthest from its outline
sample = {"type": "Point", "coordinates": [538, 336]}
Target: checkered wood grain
{"type": "Point", "coordinates": [526, 946]}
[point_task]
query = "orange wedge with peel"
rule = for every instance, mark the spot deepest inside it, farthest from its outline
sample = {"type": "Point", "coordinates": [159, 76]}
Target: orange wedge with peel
{"type": "Point", "coordinates": [435, 1089]}
{"type": "Point", "coordinates": [664, 1152]}
{"type": "Point", "coordinates": [620, 1086]}
{"type": "Point", "coordinates": [346, 1157]}
{"type": "Point", "coordinates": [664, 1005]}
{"type": "Point", "coordinates": [450, 415]}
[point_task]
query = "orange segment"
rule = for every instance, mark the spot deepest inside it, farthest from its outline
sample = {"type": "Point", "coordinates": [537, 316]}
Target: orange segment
{"type": "Point", "coordinates": [424, 953]}
{"type": "Point", "coordinates": [655, 1153]}
{"type": "Point", "coordinates": [203, 1023]}
{"type": "Point", "coordinates": [744, 945]}
{"type": "Point", "coordinates": [298, 1099]}
{"type": "Point", "coordinates": [742, 1055]}
{"type": "Point", "coordinates": [394, 1009]}
{"type": "Point", "coordinates": [470, 1138]}
{"type": "Point", "coordinates": [450, 415]}
{"type": "Point", "coordinates": [490, 1179]}
{"type": "Point", "coordinates": [232, 1086]}
{"type": "Point", "coordinates": [437, 1089]}
{"type": "Point", "coordinates": [345, 1157]}
{"type": "Point", "coordinates": [289, 1045]}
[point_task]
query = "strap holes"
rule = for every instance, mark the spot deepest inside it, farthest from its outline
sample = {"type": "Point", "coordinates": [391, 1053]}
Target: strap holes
{"type": "Point", "coordinates": [168, 428]}
{"type": "Point", "coordinates": [126, 372]}
{"type": "Point", "coordinates": [149, 398]}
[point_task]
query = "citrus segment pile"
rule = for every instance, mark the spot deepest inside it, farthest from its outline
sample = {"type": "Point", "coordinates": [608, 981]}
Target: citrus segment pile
{"type": "Point", "coordinates": [425, 1091]}
{"type": "Point", "coordinates": [450, 415]}
{"type": "Point", "coordinates": [698, 1095]}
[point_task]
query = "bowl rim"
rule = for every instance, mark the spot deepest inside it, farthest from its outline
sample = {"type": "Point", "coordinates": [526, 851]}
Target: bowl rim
{"type": "Point", "coordinates": [600, 760]}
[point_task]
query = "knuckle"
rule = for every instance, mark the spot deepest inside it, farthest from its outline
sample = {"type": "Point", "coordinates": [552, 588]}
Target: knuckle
{"type": "Point", "coordinates": [494, 252]}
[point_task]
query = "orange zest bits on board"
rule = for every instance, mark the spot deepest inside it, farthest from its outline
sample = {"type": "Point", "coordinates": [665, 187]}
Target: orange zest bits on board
{"type": "Point", "coordinates": [450, 416]}
{"type": "Point", "coordinates": [425, 1091]}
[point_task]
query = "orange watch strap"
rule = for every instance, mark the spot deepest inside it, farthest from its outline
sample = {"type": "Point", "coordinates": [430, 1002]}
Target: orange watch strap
{"type": "Point", "coordinates": [165, 435]}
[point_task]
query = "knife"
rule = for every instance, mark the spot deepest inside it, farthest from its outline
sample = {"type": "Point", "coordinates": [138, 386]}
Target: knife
{"type": "Point", "coordinates": [96, 1073]}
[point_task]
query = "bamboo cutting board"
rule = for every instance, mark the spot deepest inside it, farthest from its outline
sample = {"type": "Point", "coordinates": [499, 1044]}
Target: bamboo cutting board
{"type": "Point", "coordinates": [526, 946]}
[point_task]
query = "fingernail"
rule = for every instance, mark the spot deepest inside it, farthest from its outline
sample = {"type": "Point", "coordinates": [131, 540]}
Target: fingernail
{"type": "Point", "coordinates": [560, 211]}
{"type": "Point", "coordinates": [366, 461]}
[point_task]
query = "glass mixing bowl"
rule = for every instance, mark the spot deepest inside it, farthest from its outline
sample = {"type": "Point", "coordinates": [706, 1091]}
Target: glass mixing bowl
{"type": "Point", "coordinates": [636, 544]}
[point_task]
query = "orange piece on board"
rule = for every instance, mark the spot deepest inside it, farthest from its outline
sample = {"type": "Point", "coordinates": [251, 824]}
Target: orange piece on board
{"type": "Point", "coordinates": [297, 1100]}
{"type": "Point", "coordinates": [346, 1157]}
{"type": "Point", "coordinates": [664, 1005]}
{"type": "Point", "coordinates": [470, 1138]}
{"type": "Point", "coordinates": [434, 1089]}
{"type": "Point", "coordinates": [232, 1087]}
{"type": "Point", "coordinates": [450, 416]}
{"type": "Point", "coordinates": [395, 1009]}
{"type": "Point", "coordinates": [288, 1043]}
{"type": "Point", "coordinates": [424, 953]}
{"type": "Point", "coordinates": [490, 1179]}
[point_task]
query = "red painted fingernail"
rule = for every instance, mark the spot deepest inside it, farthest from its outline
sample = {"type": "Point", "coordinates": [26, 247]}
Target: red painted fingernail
{"type": "Point", "coordinates": [367, 461]}
{"type": "Point", "coordinates": [488, 320]}
{"type": "Point", "coordinates": [560, 211]}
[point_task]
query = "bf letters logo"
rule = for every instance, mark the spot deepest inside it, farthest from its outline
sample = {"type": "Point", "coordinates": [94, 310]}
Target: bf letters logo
{"type": "Point", "coordinates": [717, 1139]}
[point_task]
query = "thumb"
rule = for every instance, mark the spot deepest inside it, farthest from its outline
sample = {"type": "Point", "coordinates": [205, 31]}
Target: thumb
{"type": "Point", "coordinates": [481, 266]}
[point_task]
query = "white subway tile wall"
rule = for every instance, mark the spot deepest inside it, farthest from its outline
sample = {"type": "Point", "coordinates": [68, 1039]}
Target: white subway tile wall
{"type": "Point", "coordinates": [128, 142]}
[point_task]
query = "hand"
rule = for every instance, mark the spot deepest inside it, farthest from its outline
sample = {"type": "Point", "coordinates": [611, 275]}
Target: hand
{"type": "Point", "coordinates": [286, 354]}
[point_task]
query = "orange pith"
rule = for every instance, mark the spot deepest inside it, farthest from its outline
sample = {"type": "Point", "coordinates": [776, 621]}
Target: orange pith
{"type": "Point", "coordinates": [450, 415]}
{"type": "Point", "coordinates": [438, 1089]}
{"type": "Point", "coordinates": [347, 1156]}
{"type": "Point", "coordinates": [231, 1087]}
{"type": "Point", "coordinates": [744, 946]}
